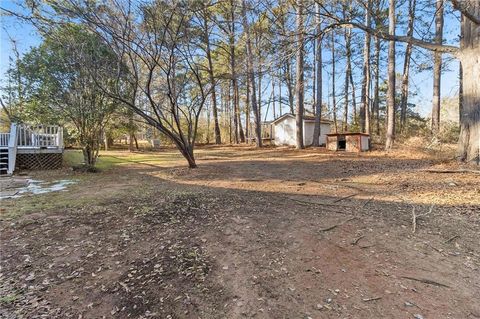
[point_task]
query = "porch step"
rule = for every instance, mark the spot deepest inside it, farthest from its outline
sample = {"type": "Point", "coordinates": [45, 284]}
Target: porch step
{"type": "Point", "coordinates": [3, 161]}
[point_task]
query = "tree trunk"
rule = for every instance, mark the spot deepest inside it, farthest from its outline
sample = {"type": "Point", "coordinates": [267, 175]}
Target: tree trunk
{"type": "Point", "coordinates": [218, 138]}
{"type": "Point", "coordinates": [318, 78]}
{"type": "Point", "coordinates": [406, 66]}
{"type": "Point", "coordinates": [251, 75]}
{"type": "Point", "coordinates": [334, 100]}
{"type": "Point", "coordinates": [391, 79]}
{"type": "Point", "coordinates": [259, 96]}
{"type": "Point", "coordinates": [136, 141]}
{"type": "Point", "coordinates": [280, 91]}
{"type": "Point", "coordinates": [354, 100]}
{"type": "Point", "coordinates": [105, 140]}
{"type": "Point", "coordinates": [376, 95]}
{"type": "Point", "coordinates": [348, 55]}
{"type": "Point", "coordinates": [288, 80]}
{"type": "Point", "coordinates": [239, 135]}
{"type": "Point", "coordinates": [90, 151]}
{"type": "Point", "coordinates": [299, 88]}
{"type": "Point", "coordinates": [365, 109]}
{"type": "Point", "coordinates": [437, 68]}
{"type": "Point", "coordinates": [130, 132]}
{"type": "Point", "coordinates": [469, 141]}
{"type": "Point", "coordinates": [247, 112]}
{"type": "Point", "coordinates": [273, 96]}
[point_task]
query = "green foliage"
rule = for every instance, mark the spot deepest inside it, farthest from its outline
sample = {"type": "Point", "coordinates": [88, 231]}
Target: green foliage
{"type": "Point", "coordinates": [63, 82]}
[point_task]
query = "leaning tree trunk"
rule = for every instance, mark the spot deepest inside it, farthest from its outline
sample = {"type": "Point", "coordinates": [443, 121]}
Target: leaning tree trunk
{"type": "Point", "coordinates": [299, 79]}
{"type": "Point", "coordinates": [391, 79]}
{"type": "Point", "coordinates": [251, 75]}
{"type": "Point", "coordinates": [469, 142]}
{"type": "Point", "coordinates": [406, 65]}
{"type": "Point", "coordinates": [437, 68]}
{"type": "Point", "coordinates": [318, 78]}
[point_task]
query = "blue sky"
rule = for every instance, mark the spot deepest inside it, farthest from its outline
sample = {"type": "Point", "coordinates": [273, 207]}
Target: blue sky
{"type": "Point", "coordinates": [26, 37]}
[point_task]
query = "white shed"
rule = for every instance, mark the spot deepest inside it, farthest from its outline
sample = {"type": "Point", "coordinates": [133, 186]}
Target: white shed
{"type": "Point", "coordinates": [285, 127]}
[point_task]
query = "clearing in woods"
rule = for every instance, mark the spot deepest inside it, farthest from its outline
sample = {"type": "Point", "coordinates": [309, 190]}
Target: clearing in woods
{"type": "Point", "coordinates": [274, 233]}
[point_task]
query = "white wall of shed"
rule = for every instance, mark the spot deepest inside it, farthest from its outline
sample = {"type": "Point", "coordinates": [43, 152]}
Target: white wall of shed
{"type": "Point", "coordinates": [364, 143]}
{"type": "Point", "coordinates": [309, 127]}
{"type": "Point", "coordinates": [285, 132]}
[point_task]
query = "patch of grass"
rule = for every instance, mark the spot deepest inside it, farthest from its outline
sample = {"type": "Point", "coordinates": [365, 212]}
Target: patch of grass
{"type": "Point", "coordinates": [110, 159]}
{"type": "Point", "coordinates": [74, 158]}
{"type": "Point", "coordinates": [8, 299]}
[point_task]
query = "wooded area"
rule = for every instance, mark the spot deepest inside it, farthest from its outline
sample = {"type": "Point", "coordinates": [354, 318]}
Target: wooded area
{"type": "Point", "coordinates": [202, 71]}
{"type": "Point", "coordinates": [333, 152]}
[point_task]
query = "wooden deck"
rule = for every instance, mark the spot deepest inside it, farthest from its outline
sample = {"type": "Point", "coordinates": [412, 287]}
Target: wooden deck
{"type": "Point", "coordinates": [24, 139]}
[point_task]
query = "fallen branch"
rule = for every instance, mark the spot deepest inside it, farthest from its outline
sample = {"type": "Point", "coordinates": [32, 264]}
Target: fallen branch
{"type": "Point", "coordinates": [415, 217]}
{"type": "Point", "coordinates": [368, 201]}
{"type": "Point", "coordinates": [371, 299]}
{"type": "Point", "coordinates": [426, 281]}
{"type": "Point", "coordinates": [357, 240]}
{"type": "Point", "coordinates": [317, 203]}
{"type": "Point", "coordinates": [345, 197]}
{"type": "Point", "coordinates": [451, 239]}
{"type": "Point", "coordinates": [336, 225]}
{"type": "Point", "coordinates": [441, 171]}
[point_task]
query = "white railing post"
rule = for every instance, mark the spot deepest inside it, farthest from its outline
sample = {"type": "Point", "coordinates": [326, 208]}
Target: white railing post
{"type": "Point", "coordinates": [12, 148]}
{"type": "Point", "coordinates": [60, 137]}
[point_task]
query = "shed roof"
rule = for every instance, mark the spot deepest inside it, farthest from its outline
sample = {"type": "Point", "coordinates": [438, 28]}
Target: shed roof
{"type": "Point", "coordinates": [306, 118]}
{"type": "Point", "coordinates": [348, 133]}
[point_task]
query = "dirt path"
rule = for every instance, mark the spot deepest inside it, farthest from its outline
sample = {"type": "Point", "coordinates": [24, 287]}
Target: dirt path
{"type": "Point", "coordinates": [250, 235]}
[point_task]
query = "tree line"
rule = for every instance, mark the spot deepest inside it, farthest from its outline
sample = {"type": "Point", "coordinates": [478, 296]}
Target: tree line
{"type": "Point", "coordinates": [172, 63]}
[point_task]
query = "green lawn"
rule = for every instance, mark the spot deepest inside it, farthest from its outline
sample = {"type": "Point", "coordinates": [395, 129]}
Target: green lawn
{"type": "Point", "coordinates": [110, 159]}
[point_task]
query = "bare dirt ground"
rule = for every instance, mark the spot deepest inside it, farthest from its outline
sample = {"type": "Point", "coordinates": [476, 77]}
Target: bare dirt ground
{"type": "Point", "coordinates": [275, 233]}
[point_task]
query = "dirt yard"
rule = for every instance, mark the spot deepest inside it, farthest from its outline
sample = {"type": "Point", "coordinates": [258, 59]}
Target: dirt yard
{"type": "Point", "coordinates": [276, 233]}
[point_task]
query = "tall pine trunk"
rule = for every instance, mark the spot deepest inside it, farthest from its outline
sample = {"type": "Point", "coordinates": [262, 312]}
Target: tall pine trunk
{"type": "Point", "coordinates": [218, 138]}
{"type": "Point", "coordinates": [365, 108]}
{"type": "Point", "coordinates": [334, 99]}
{"type": "Point", "coordinates": [251, 75]}
{"type": "Point", "coordinates": [391, 79]}
{"type": "Point", "coordinates": [231, 41]}
{"type": "Point", "coordinates": [318, 77]}
{"type": "Point", "coordinates": [299, 89]}
{"type": "Point", "coordinates": [437, 68]}
{"type": "Point", "coordinates": [348, 72]}
{"type": "Point", "coordinates": [469, 142]}
{"type": "Point", "coordinates": [406, 65]}
{"type": "Point", "coordinates": [376, 87]}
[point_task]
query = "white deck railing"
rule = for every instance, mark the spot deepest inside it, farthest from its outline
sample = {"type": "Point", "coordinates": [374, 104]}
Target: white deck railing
{"type": "Point", "coordinates": [33, 136]}
{"type": "Point", "coordinates": [40, 136]}
{"type": "Point", "coordinates": [4, 138]}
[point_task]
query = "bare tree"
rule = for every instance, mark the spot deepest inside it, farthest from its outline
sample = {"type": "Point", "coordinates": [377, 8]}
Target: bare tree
{"type": "Point", "coordinates": [365, 108]}
{"type": "Point", "coordinates": [162, 54]}
{"type": "Point", "coordinates": [391, 78]}
{"type": "Point", "coordinates": [205, 15]}
{"type": "Point", "coordinates": [469, 142]}
{"type": "Point", "coordinates": [437, 67]}
{"type": "Point", "coordinates": [299, 89]}
{"type": "Point", "coordinates": [251, 76]}
{"type": "Point", "coordinates": [318, 77]}
{"type": "Point", "coordinates": [334, 98]}
{"type": "Point", "coordinates": [406, 65]}
{"type": "Point", "coordinates": [348, 75]}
